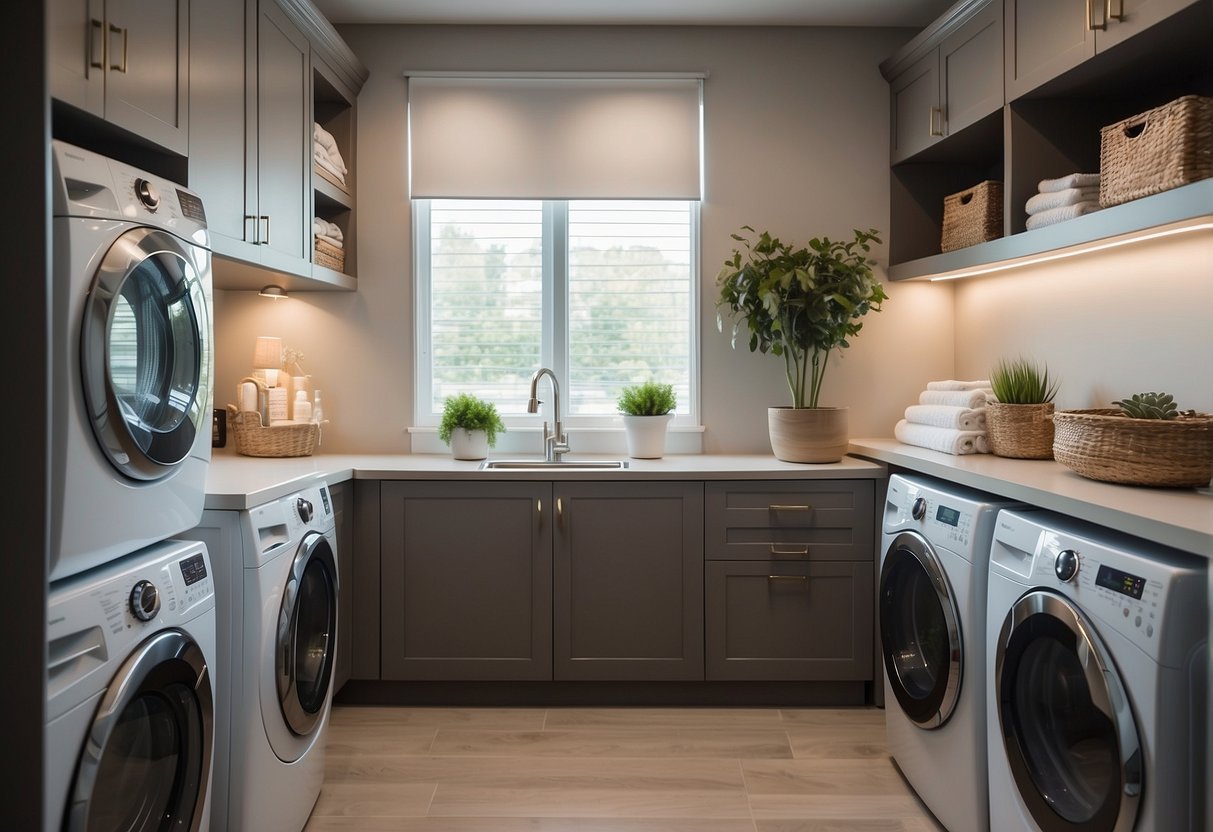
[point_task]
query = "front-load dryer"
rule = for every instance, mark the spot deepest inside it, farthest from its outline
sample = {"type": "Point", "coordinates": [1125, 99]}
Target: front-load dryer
{"type": "Point", "coordinates": [131, 361]}
{"type": "Point", "coordinates": [931, 607]}
{"type": "Point", "coordinates": [277, 594]}
{"type": "Point", "coordinates": [130, 694]}
{"type": "Point", "coordinates": [1096, 661]}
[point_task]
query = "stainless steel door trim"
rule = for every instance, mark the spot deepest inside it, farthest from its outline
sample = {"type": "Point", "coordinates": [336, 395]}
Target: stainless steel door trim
{"type": "Point", "coordinates": [917, 548]}
{"type": "Point", "coordinates": [315, 547]}
{"type": "Point", "coordinates": [1107, 693]}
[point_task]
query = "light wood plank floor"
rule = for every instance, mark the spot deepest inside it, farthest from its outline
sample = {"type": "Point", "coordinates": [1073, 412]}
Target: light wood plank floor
{"type": "Point", "coordinates": [613, 770]}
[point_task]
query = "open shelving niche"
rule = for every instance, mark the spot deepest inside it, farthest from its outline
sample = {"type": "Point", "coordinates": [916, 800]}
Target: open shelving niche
{"type": "Point", "coordinates": [334, 110]}
{"type": "Point", "coordinates": [1051, 131]}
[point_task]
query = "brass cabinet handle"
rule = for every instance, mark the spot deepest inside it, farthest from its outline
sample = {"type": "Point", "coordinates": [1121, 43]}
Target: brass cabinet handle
{"type": "Point", "coordinates": [96, 56]}
{"type": "Point", "coordinates": [119, 30]}
{"type": "Point", "coordinates": [936, 117]}
{"type": "Point", "coordinates": [1120, 13]}
{"type": "Point", "coordinates": [789, 508]}
{"type": "Point", "coordinates": [798, 551]}
{"type": "Point", "coordinates": [804, 578]}
{"type": "Point", "coordinates": [560, 512]}
{"type": "Point", "coordinates": [1091, 24]}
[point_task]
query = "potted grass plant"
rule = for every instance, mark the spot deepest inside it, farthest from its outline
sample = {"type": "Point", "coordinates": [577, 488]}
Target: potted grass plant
{"type": "Point", "coordinates": [801, 304]}
{"type": "Point", "coordinates": [647, 409]}
{"type": "Point", "coordinates": [1020, 423]}
{"type": "Point", "coordinates": [469, 426]}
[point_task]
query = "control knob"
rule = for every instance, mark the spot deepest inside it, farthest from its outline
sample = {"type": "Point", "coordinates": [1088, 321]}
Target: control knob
{"type": "Point", "coordinates": [1065, 565]}
{"type": "Point", "coordinates": [919, 509]}
{"type": "Point", "coordinates": [305, 509]}
{"type": "Point", "coordinates": [145, 600]}
{"type": "Point", "coordinates": [147, 194]}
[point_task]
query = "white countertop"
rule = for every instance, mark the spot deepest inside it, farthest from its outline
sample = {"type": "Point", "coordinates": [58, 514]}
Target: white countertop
{"type": "Point", "coordinates": [238, 482]}
{"type": "Point", "coordinates": [1178, 517]}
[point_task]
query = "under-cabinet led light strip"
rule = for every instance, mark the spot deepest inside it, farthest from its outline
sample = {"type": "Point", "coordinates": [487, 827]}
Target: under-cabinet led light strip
{"type": "Point", "coordinates": [1084, 248]}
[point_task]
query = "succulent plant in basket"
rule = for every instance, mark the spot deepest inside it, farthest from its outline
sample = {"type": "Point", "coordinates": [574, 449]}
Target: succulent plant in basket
{"type": "Point", "coordinates": [1020, 423]}
{"type": "Point", "coordinates": [1145, 440]}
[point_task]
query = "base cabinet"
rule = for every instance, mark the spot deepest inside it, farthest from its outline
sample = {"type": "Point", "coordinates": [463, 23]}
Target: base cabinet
{"type": "Point", "coordinates": [788, 621]}
{"type": "Point", "coordinates": [628, 582]}
{"type": "Point", "coordinates": [342, 495]}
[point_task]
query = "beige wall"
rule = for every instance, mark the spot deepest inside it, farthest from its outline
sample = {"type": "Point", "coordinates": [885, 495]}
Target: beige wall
{"type": "Point", "coordinates": [1109, 324]}
{"type": "Point", "coordinates": [796, 142]}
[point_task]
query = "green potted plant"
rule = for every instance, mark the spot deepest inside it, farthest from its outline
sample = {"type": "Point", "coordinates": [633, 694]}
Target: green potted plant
{"type": "Point", "coordinates": [469, 425]}
{"type": "Point", "coordinates": [1020, 423]}
{"type": "Point", "coordinates": [647, 409]}
{"type": "Point", "coordinates": [801, 304]}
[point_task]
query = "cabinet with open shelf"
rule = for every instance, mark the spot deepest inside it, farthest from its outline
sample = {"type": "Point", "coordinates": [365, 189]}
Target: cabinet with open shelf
{"type": "Point", "coordinates": [1048, 128]}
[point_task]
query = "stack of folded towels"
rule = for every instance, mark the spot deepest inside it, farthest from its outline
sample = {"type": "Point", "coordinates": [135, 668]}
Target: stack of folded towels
{"type": "Point", "coordinates": [1063, 199]}
{"type": "Point", "coordinates": [328, 231]}
{"type": "Point", "coordinates": [326, 154]}
{"type": "Point", "coordinates": [950, 417]}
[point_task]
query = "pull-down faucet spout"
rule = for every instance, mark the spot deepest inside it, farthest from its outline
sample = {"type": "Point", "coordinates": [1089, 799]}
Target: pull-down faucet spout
{"type": "Point", "coordinates": [555, 444]}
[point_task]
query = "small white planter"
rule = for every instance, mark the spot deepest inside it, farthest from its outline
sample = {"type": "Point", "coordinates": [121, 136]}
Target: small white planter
{"type": "Point", "coordinates": [646, 435]}
{"type": "Point", "coordinates": [469, 444]}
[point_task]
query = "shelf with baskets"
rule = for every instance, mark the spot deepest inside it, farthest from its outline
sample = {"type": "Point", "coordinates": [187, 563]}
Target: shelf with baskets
{"type": "Point", "coordinates": [333, 174]}
{"type": "Point", "coordinates": [1049, 131]}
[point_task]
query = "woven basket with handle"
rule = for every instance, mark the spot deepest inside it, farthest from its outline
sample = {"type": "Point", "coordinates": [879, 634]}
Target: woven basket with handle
{"type": "Point", "coordinates": [256, 439]}
{"type": "Point", "coordinates": [328, 255]}
{"type": "Point", "coordinates": [973, 216]}
{"type": "Point", "coordinates": [1157, 150]}
{"type": "Point", "coordinates": [1103, 444]}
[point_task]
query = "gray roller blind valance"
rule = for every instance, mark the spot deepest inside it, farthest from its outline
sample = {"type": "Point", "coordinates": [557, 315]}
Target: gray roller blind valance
{"type": "Point", "coordinates": [552, 137]}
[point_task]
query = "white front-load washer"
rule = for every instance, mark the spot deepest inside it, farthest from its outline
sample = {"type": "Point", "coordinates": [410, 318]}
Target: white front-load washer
{"type": "Point", "coordinates": [130, 694]}
{"type": "Point", "coordinates": [131, 361]}
{"type": "Point", "coordinates": [1096, 663]}
{"type": "Point", "coordinates": [931, 608]}
{"type": "Point", "coordinates": [277, 591]}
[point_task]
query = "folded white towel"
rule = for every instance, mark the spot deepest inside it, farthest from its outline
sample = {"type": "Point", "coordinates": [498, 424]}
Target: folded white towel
{"type": "Point", "coordinates": [971, 399]}
{"type": "Point", "coordinates": [953, 384]}
{"type": "Point", "coordinates": [328, 165]}
{"type": "Point", "coordinates": [332, 241]}
{"type": "Point", "coordinates": [1074, 180]}
{"type": "Point", "coordinates": [1056, 199]}
{"type": "Point", "coordinates": [1065, 212]}
{"type": "Point", "coordinates": [945, 440]}
{"type": "Point", "coordinates": [323, 228]}
{"type": "Point", "coordinates": [323, 137]}
{"type": "Point", "coordinates": [947, 416]}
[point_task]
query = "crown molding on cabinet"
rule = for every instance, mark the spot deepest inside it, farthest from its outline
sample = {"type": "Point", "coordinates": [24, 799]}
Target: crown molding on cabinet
{"type": "Point", "coordinates": [931, 36]}
{"type": "Point", "coordinates": [325, 38]}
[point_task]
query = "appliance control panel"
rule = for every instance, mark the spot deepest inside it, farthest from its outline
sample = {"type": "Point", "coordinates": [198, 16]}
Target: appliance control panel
{"type": "Point", "coordinates": [947, 519]}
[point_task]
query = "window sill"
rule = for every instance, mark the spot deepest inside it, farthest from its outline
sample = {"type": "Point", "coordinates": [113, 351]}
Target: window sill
{"type": "Point", "coordinates": [680, 439]}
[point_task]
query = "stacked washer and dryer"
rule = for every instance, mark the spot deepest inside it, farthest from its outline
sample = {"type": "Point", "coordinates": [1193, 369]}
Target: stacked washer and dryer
{"type": "Point", "coordinates": [131, 614]}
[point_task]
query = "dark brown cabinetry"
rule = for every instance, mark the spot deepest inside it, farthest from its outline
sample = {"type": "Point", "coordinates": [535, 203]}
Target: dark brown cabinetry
{"type": "Point", "coordinates": [466, 572]}
{"type": "Point", "coordinates": [125, 62]}
{"type": "Point", "coordinates": [788, 581]}
{"type": "Point", "coordinates": [342, 495]}
{"type": "Point", "coordinates": [628, 569]}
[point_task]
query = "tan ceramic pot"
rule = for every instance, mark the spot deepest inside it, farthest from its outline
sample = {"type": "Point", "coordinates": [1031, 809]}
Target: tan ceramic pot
{"type": "Point", "coordinates": [808, 434]}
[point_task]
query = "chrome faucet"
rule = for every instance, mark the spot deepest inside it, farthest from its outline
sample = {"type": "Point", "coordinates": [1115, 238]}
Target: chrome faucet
{"type": "Point", "coordinates": [555, 444]}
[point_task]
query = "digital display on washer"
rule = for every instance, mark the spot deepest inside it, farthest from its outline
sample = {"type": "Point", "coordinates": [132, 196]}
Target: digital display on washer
{"type": "Point", "coordinates": [1121, 582]}
{"type": "Point", "coordinates": [191, 206]}
{"type": "Point", "coordinates": [947, 515]}
{"type": "Point", "coordinates": [193, 569]}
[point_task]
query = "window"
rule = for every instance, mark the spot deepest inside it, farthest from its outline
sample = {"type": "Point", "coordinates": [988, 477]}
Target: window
{"type": "Point", "coordinates": [600, 291]}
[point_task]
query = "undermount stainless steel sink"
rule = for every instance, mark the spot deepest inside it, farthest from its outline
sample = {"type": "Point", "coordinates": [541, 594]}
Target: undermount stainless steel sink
{"type": "Point", "coordinates": [540, 464]}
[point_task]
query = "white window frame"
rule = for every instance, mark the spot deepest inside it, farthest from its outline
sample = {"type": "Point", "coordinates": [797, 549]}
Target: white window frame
{"type": "Point", "coordinates": [555, 345]}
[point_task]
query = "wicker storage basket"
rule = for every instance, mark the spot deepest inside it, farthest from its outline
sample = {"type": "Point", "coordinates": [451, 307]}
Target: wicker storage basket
{"type": "Point", "coordinates": [255, 439]}
{"type": "Point", "coordinates": [973, 216]}
{"type": "Point", "coordinates": [1157, 150]}
{"type": "Point", "coordinates": [1020, 431]}
{"type": "Point", "coordinates": [329, 255]}
{"type": "Point", "coordinates": [1102, 445]}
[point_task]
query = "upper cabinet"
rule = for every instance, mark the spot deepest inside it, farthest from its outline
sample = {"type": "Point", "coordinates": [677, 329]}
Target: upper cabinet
{"type": "Point", "coordinates": [951, 86]}
{"type": "Point", "coordinates": [1068, 68]}
{"type": "Point", "coordinates": [125, 62]}
{"type": "Point", "coordinates": [263, 74]}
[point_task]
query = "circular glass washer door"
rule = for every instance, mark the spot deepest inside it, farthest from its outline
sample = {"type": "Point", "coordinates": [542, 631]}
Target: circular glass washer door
{"type": "Point", "coordinates": [145, 353]}
{"type": "Point", "coordinates": [306, 635]}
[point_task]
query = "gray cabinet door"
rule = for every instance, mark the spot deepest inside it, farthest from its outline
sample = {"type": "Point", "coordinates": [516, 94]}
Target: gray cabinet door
{"type": "Point", "coordinates": [970, 70]}
{"type": "Point", "coordinates": [1136, 16]}
{"type": "Point", "coordinates": [147, 70]}
{"type": "Point", "coordinates": [789, 521]}
{"type": "Point", "coordinates": [284, 143]}
{"type": "Point", "coordinates": [466, 572]}
{"type": "Point", "coordinates": [342, 495]}
{"type": "Point", "coordinates": [789, 621]}
{"type": "Point", "coordinates": [628, 576]}
{"type": "Point", "coordinates": [916, 115]}
{"type": "Point", "coordinates": [223, 115]}
{"type": "Point", "coordinates": [75, 32]}
{"type": "Point", "coordinates": [1044, 38]}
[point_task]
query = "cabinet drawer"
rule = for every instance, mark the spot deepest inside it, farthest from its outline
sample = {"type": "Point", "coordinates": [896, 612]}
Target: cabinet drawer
{"type": "Point", "coordinates": [780, 520]}
{"type": "Point", "coordinates": [783, 621]}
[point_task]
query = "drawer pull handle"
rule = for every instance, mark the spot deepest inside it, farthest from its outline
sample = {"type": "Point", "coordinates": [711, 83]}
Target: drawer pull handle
{"type": "Point", "coordinates": [801, 550]}
{"type": "Point", "coordinates": [790, 508]}
{"type": "Point", "coordinates": [804, 578]}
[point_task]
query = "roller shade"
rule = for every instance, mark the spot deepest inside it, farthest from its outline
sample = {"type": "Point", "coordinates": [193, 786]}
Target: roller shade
{"type": "Point", "coordinates": [554, 138]}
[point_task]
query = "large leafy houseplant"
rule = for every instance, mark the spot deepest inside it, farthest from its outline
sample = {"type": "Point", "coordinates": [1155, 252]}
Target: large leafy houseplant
{"type": "Point", "coordinates": [799, 303]}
